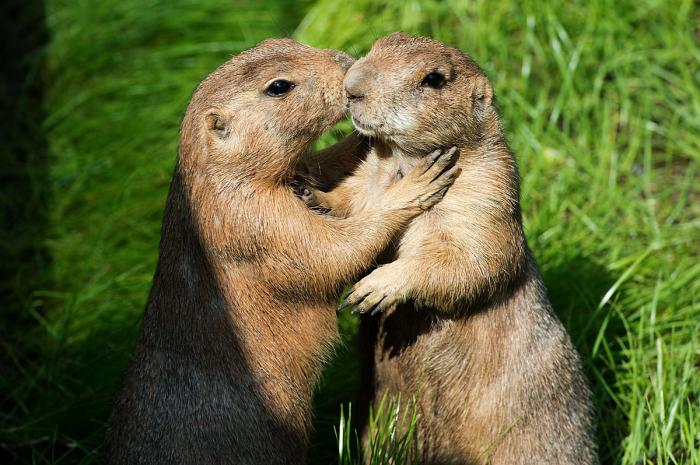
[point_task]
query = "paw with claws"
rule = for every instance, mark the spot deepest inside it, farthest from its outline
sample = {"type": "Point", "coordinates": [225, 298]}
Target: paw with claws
{"type": "Point", "coordinates": [380, 291]}
{"type": "Point", "coordinates": [304, 192]}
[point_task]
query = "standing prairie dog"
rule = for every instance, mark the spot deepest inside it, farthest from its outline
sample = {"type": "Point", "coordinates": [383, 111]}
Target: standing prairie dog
{"type": "Point", "coordinates": [241, 311]}
{"type": "Point", "coordinates": [465, 323]}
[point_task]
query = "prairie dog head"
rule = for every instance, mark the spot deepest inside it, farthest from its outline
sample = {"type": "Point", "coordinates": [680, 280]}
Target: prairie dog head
{"type": "Point", "coordinates": [258, 112]}
{"type": "Point", "coordinates": [417, 93]}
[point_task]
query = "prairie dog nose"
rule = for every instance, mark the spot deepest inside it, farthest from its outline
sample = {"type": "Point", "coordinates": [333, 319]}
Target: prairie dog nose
{"type": "Point", "coordinates": [356, 83]}
{"type": "Point", "coordinates": [342, 58]}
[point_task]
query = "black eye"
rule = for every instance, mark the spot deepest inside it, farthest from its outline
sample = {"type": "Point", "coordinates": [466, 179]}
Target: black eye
{"type": "Point", "coordinates": [434, 80]}
{"type": "Point", "coordinates": [279, 87]}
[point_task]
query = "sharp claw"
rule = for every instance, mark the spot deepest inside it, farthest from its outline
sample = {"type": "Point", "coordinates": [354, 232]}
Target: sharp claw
{"type": "Point", "coordinates": [343, 305]}
{"type": "Point", "coordinates": [344, 299]}
{"type": "Point", "coordinates": [355, 311]}
{"type": "Point", "coordinates": [374, 310]}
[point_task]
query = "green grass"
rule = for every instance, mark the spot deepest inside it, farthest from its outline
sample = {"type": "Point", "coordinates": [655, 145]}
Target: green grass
{"type": "Point", "coordinates": [392, 435]}
{"type": "Point", "coordinates": [601, 104]}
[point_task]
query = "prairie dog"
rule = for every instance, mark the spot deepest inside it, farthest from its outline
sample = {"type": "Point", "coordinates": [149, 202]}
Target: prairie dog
{"type": "Point", "coordinates": [241, 311]}
{"type": "Point", "coordinates": [465, 324]}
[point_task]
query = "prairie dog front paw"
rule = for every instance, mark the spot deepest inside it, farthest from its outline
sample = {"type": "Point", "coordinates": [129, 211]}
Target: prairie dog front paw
{"type": "Point", "coordinates": [304, 192]}
{"type": "Point", "coordinates": [380, 291]}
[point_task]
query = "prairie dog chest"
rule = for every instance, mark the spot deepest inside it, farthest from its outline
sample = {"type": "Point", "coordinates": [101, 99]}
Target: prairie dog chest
{"type": "Point", "coordinates": [383, 170]}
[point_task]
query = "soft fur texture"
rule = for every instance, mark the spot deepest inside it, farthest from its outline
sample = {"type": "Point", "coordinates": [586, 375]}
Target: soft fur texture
{"type": "Point", "coordinates": [241, 313]}
{"type": "Point", "coordinates": [466, 326]}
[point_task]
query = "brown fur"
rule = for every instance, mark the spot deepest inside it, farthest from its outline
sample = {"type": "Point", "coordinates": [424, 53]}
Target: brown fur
{"type": "Point", "coordinates": [467, 327]}
{"type": "Point", "coordinates": [241, 312]}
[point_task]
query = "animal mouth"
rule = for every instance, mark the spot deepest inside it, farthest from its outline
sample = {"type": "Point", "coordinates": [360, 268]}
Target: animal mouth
{"type": "Point", "coordinates": [367, 129]}
{"type": "Point", "coordinates": [371, 130]}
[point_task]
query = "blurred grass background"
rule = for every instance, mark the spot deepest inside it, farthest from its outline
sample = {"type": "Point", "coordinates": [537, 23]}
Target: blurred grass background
{"type": "Point", "coordinates": [601, 104]}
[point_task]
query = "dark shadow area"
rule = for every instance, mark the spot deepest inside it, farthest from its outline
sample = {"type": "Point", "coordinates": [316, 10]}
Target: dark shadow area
{"type": "Point", "coordinates": [23, 192]}
{"type": "Point", "coordinates": [23, 167]}
{"type": "Point", "coordinates": [575, 287]}
{"type": "Point", "coordinates": [66, 423]}
{"type": "Point", "coordinates": [338, 387]}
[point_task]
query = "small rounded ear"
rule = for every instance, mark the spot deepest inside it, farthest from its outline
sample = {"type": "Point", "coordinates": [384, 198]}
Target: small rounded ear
{"type": "Point", "coordinates": [483, 92]}
{"type": "Point", "coordinates": [217, 124]}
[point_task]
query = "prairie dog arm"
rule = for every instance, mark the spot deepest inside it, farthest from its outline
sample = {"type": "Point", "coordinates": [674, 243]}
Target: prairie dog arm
{"type": "Point", "coordinates": [326, 168]}
{"type": "Point", "coordinates": [338, 250]}
{"type": "Point", "coordinates": [443, 272]}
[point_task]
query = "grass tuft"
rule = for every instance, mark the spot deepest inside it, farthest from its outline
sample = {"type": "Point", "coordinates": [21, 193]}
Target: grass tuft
{"type": "Point", "coordinates": [392, 434]}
